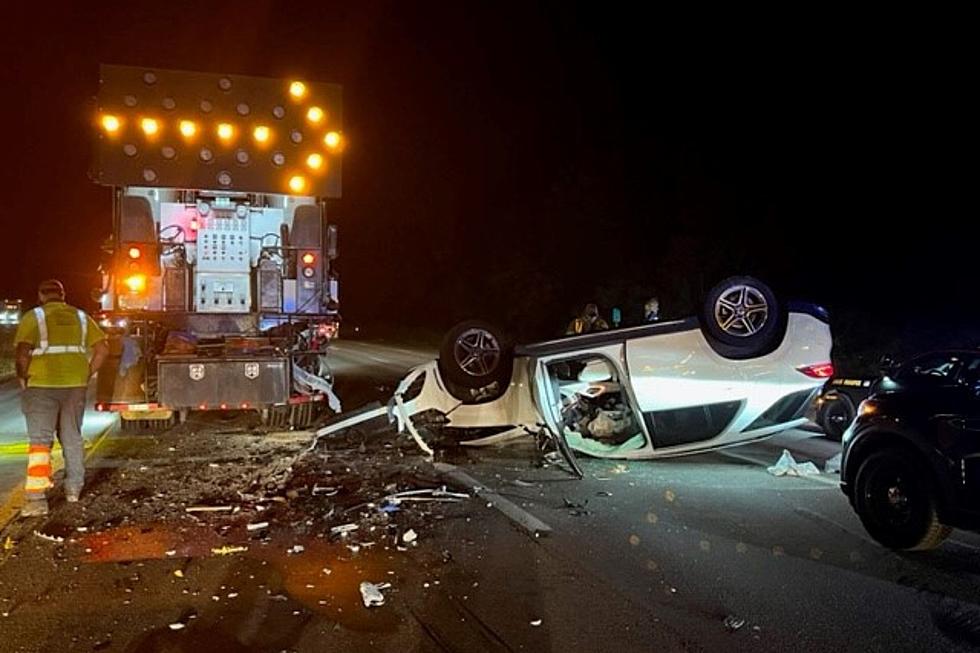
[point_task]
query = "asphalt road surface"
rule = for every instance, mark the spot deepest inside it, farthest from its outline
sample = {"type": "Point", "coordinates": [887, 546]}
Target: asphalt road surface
{"type": "Point", "coordinates": [706, 552]}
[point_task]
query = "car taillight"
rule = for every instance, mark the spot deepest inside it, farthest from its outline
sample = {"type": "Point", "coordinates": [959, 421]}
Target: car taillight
{"type": "Point", "coordinates": [818, 371]}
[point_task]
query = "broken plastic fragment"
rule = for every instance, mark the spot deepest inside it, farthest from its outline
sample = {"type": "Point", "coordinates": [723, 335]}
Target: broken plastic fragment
{"type": "Point", "coordinates": [178, 573]}
{"type": "Point", "coordinates": [8, 544]}
{"type": "Point", "coordinates": [832, 466]}
{"type": "Point", "coordinates": [343, 529]}
{"type": "Point", "coordinates": [171, 553]}
{"type": "Point", "coordinates": [208, 508]}
{"type": "Point", "coordinates": [409, 536]}
{"type": "Point", "coordinates": [177, 626]}
{"type": "Point", "coordinates": [257, 526]}
{"type": "Point", "coordinates": [296, 549]}
{"type": "Point", "coordinates": [537, 622]}
{"type": "Point", "coordinates": [371, 593]}
{"type": "Point", "coordinates": [733, 623]}
{"type": "Point", "coordinates": [49, 538]}
{"type": "Point", "coordinates": [788, 466]}
{"type": "Point", "coordinates": [228, 550]}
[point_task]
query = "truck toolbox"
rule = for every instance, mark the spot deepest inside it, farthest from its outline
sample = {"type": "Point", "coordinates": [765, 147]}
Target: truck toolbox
{"type": "Point", "coordinates": [232, 383]}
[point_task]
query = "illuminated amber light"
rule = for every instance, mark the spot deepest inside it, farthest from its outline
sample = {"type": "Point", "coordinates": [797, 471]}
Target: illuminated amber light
{"type": "Point", "coordinates": [134, 252]}
{"type": "Point", "coordinates": [110, 123]}
{"type": "Point", "coordinates": [332, 140]}
{"type": "Point", "coordinates": [225, 131]}
{"type": "Point", "coordinates": [314, 114]}
{"type": "Point", "coordinates": [297, 184]}
{"type": "Point", "coordinates": [308, 258]}
{"type": "Point", "coordinates": [149, 126]}
{"type": "Point", "coordinates": [261, 134]}
{"type": "Point", "coordinates": [188, 128]}
{"type": "Point", "coordinates": [314, 161]}
{"type": "Point", "coordinates": [297, 90]}
{"type": "Point", "coordinates": [136, 283]}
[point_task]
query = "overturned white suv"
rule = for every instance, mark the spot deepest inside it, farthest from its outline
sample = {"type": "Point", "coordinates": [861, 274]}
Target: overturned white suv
{"type": "Point", "coordinates": [747, 368]}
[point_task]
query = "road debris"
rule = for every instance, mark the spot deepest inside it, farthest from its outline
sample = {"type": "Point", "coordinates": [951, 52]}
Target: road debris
{"type": "Point", "coordinates": [344, 529]}
{"type": "Point", "coordinates": [256, 526]}
{"type": "Point", "coordinates": [537, 622]}
{"type": "Point", "coordinates": [788, 466]}
{"type": "Point", "coordinates": [50, 538]}
{"type": "Point", "coordinates": [295, 549]}
{"type": "Point", "coordinates": [409, 536]}
{"type": "Point", "coordinates": [733, 623]}
{"type": "Point", "coordinates": [371, 593]}
{"type": "Point", "coordinates": [8, 544]}
{"type": "Point", "coordinates": [325, 490]}
{"type": "Point", "coordinates": [178, 573]}
{"type": "Point", "coordinates": [209, 509]}
{"type": "Point", "coordinates": [228, 550]}
{"type": "Point", "coordinates": [177, 626]}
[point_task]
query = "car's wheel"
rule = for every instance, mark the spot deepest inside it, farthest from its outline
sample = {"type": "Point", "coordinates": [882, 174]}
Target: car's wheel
{"type": "Point", "coordinates": [742, 317]}
{"type": "Point", "coordinates": [835, 415]}
{"type": "Point", "coordinates": [896, 501]}
{"type": "Point", "coordinates": [475, 361]}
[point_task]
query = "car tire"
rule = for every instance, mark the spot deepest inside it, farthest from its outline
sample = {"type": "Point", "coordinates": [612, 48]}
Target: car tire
{"type": "Point", "coordinates": [835, 416]}
{"type": "Point", "coordinates": [742, 318]}
{"type": "Point", "coordinates": [476, 361]}
{"type": "Point", "coordinates": [896, 501]}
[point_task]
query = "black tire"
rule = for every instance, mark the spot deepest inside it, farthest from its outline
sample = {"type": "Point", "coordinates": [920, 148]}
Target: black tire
{"type": "Point", "coordinates": [476, 360]}
{"type": "Point", "coordinates": [896, 501]}
{"type": "Point", "coordinates": [742, 318]}
{"type": "Point", "coordinates": [835, 415]}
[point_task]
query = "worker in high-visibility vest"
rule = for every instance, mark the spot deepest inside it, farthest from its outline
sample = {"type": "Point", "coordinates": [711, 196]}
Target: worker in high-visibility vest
{"type": "Point", "coordinates": [54, 367]}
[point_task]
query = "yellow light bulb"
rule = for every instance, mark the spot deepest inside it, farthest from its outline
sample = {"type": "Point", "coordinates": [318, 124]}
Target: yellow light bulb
{"type": "Point", "coordinates": [225, 131]}
{"type": "Point", "coordinates": [332, 140]}
{"type": "Point", "coordinates": [314, 161]}
{"type": "Point", "coordinates": [297, 184]}
{"type": "Point", "coordinates": [297, 90]}
{"type": "Point", "coordinates": [261, 134]}
{"type": "Point", "coordinates": [110, 123]}
{"type": "Point", "coordinates": [314, 114]}
{"type": "Point", "coordinates": [149, 126]}
{"type": "Point", "coordinates": [188, 128]}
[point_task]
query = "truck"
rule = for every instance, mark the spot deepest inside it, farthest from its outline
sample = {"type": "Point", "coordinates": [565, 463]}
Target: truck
{"type": "Point", "coordinates": [218, 286]}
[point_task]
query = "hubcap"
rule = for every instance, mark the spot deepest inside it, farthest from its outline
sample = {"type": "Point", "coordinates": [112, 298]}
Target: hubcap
{"type": "Point", "coordinates": [741, 311]}
{"type": "Point", "coordinates": [477, 352]}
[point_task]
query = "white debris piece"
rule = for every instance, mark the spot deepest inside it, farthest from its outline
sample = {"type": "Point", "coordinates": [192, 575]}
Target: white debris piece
{"type": "Point", "coordinates": [177, 626]}
{"type": "Point", "coordinates": [257, 526]}
{"type": "Point", "coordinates": [343, 529]}
{"type": "Point", "coordinates": [410, 536]}
{"type": "Point", "coordinates": [50, 538]}
{"type": "Point", "coordinates": [371, 593]}
{"type": "Point", "coordinates": [296, 549]}
{"type": "Point", "coordinates": [787, 466]}
{"type": "Point", "coordinates": [536, 622]}
{"type": "Point", "coordinates": [832, 466]}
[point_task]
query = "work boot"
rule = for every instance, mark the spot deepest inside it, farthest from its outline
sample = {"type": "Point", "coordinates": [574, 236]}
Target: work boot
{"type": "Point", "coordinates": [34, 509]}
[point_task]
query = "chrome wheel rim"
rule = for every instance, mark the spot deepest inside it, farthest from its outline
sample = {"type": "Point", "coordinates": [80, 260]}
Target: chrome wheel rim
{"type": "Point", "coordinates": [741, 311]}
{"type": "Point", "coordinates": [477, 352]}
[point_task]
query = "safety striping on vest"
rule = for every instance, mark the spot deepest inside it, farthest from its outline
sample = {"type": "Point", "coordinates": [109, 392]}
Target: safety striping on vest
{"type": "Point", "coordinates": [42, 331]}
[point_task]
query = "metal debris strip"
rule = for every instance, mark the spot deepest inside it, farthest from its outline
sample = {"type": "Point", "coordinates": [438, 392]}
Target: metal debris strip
{"type": "Point", "coordinates": [534, 526]}
{"type": "Point", "coordinates": [343, 529]}
{"type": "Point", "coordinates": [208, 508]}
{"type": "Point", "coordinates": [364, 414]}
{"type": "Point", "coordinates": [257, 526]}
{"type": "Point", "coordinates": [371, 593]}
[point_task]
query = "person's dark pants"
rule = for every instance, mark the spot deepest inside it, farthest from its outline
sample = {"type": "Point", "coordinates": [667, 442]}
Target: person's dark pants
{"type": "Point", "coordinates": [49, 411]}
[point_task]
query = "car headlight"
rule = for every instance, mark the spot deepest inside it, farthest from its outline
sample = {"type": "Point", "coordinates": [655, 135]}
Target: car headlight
{"type": "Point", "coordinates": [867, 407]}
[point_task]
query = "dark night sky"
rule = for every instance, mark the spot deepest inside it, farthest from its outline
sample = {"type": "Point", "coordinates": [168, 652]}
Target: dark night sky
{"type": "Point", "coordinates": [516, 161]}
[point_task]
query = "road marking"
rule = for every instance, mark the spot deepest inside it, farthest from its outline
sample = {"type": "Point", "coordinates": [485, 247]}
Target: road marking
{"type": "Point", "coordinates": [10, 508]}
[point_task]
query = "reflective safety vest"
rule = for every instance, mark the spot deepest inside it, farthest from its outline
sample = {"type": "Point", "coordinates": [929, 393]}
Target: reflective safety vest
{"type": "Point", "coordinates": [44, 348]}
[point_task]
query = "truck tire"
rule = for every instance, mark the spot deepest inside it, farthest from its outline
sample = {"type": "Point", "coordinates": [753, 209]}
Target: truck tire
{"type": "Point", "coordinates": [742, 318]}
{"type": "Point", "coordinates": [476, 360]}
{"type": "Point", "coordinates": [896, 501]}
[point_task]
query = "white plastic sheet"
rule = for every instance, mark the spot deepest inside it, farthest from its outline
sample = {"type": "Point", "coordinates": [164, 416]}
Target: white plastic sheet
{"type": "Point", "coordinates": [788, 466]}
